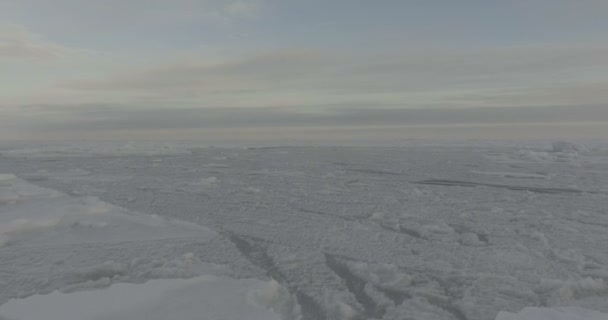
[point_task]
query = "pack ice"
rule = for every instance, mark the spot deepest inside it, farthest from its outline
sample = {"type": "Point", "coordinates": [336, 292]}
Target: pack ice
{"type": "Point", "coordinates": [440, 232]}
{"type": "Point", "coordinates": [31, 216]}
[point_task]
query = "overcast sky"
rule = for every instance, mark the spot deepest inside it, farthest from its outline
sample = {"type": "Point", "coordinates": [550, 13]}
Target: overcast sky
{"type": "Point", "coordinates": [310, 69]}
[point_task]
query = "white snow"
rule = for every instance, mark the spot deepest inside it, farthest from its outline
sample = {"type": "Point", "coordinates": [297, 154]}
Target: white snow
{"type": "Point", "coordinates": [564, 292]}
{"type": "Point", "coordinates": [205, 182]}
{"type": "Point", "coordinates": [566, 146]}
{"type": "Point", "coordinates": [346, 232]}
{"type": "Point", "coordinates": [520, 175]}
{"type": "Point", "coordinates": [564, 313]}
{"type": "Point", "coordinates": [36, 215]}
{"type": "Point", "coordinates": [387, 276]}
{"type": "Point", "coordinates": [205, 297]}
{"type": "Point", "coordinates": [14, 190]}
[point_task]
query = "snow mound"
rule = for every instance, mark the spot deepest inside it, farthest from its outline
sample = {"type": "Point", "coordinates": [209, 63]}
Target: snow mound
{"type": "Point", "coordinates": [562, 313]}
{"type": "Point", "coordinates": [543, 156]}
{"type": "Point", "coordinates": [207, 297]}
{"type": "Point", "coordinates": [566, 292]}
{"type": "Point", "coordinates": [386, 276]}
{"type": "Point", "coordinates": [566, 147]}
{"type": "Point", "coordinates": [205, 182]}
{"type": "Point", "coordinates": [14, 190]}
{"type": "Point", "coordinates": [36, 215]}
{"type": "Point", "coordinates": [560, 151]}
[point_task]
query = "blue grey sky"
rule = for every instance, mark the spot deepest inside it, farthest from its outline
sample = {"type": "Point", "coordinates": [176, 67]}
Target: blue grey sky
{"type": "Point", "coordinates": [122, 69]}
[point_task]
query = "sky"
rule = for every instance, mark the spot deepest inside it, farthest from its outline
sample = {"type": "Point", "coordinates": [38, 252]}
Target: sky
{"type": "Point", "coordinates": [303, 70]}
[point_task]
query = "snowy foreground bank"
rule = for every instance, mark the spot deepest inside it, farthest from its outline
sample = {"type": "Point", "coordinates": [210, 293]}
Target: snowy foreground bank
{"type": "Point", "coordinates": [418, 232]}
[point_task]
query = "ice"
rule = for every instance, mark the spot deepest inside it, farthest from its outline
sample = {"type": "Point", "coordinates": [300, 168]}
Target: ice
{"type": "Point", "coordinates": [566, 292]}
{"type": "Point", "coordinates": [101, 149]}
{"type": "Point", "coordinates": [33, 214]}
{"type": "Point", "coordinates": [515, 175]}
{"type": "Point", "coordinates": [252, 190]}
{"type": "Point", "coordinates": [76, 175]}
{"type": "Point", "coordinates": [445, 232]}
{"type": "Point", "coordinates": [559, 151]}
{"type": "Point", "coordinates": [419, 308]}
{"type": "Point", "coordinates": [387, 276]}
{"type": "Point", "coordinates": [207, 297]}
{"type": "Point", "coordinates": [205, 182]}
{"type": "Point", "coordinates": [14, 190]}
{"type": "Point", "coordinates": [564, 313]}
{"type": "Point", "coordinates": [566, 147]}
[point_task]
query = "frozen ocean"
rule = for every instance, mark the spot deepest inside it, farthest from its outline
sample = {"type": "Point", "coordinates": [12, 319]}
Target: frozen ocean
{"type": "Point", "coordinates": [469, 231]}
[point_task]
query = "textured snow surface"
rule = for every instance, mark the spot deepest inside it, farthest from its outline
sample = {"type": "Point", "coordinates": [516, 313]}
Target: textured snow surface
{"type": "Point", "coordinates": [35, 215]}
{"type": "Point", "coordinates": [457, 232]}
{"type": "Point", "coordinates": [205, 297]}
{"type": "Point", "coordinates": [564, 313]}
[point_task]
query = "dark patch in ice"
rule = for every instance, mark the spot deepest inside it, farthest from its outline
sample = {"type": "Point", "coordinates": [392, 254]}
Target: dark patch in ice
{"type": "Point", "coordinates": [258, 256]}
{"type": "Point", "coordinates": [372, 171]}
{"type": "Point", "coordinates": [410, 232]}
{"type": "Point", "coordinates": [449, 286]}
{"type": "Point", "coordinates": [440, 182]}
{"type": "Point", "coordinates": [483, 237]}
{"type": "Point", "coordinates": [356, 286]}
{"type": "Point", "coordinates": [460, 229]}
{"type": "Point", "coordinates": [457, 183]}
{"type": "Point", "coordinates": [509, 176]}
{"type": "Point", "coordinates": [276, 147]}
{"type": "Point", "coordinates": [342, 164]}
{"type": "Point", "coordinates": [321, 213]}
{"type": "Point", "coordinates": [311, 310]}
{"type": "Point", "coordinates": [591, 223]}
{"type": "Point", "coordinates": [516, 167]}
{"type": "Point", "coordinates": [35, 179]}
{"type": "Point", "coordinates": [394, 295]}
{"type": "Point", "coordinates": [351, 182]}
{"type": "Point", "coordinates": [448, 307]}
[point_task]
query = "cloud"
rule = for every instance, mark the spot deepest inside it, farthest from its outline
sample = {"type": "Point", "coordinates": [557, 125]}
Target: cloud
{"type": "Point", "coordinates": [564, 10]}
{"type": "Point", "coordinates": [246, 74]}
{"type": "Point", "coordinates": [243, 9]}
{"type": "Point", "coordinates": [223, 12]}
{"type": "Point", "coordinates": [100, 16]}
{"type": "Point", "coordinates": [497, 76]}
{"type": "Point", "coordinates": [560, 95]}
{"type": "Point", "coordinates": [16, 42]}
{"type": "Point", "coordinates": [110, 118]}
{"type": "Point", "coordinates": [262, 80]}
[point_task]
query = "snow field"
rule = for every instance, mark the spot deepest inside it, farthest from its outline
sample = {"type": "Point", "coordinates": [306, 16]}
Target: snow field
{"type": "Point", "coordinates": [330, 233]}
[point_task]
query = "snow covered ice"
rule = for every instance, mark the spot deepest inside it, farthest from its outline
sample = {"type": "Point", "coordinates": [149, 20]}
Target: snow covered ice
{"type": "Point", "coordinates": [562, 313]}
{"type": "Point", "coordinates": [154, 231]}
{"type": "Point", "coordinates": [204, 297]}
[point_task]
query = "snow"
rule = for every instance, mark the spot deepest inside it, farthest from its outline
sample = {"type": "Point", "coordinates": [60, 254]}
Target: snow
{"type": "Point", "coordinates": [423, 231]}
{"type": "Point", "coordinates": [205, 182]}
{"type": "Point", "coordinates": [553, 314]}
{"type": "Point", "coordinates": [100, 149]}
{"type": "Point", "coordinates": [208, 296]}
{"type": "Point", "coordinates": [35, 215]}
{"type": "Point", "coordinates": [566, 146]}
{"type": "Point", "coordinates": [515, 175]}
{"type": "Point", "coordinates": [387, 275]}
